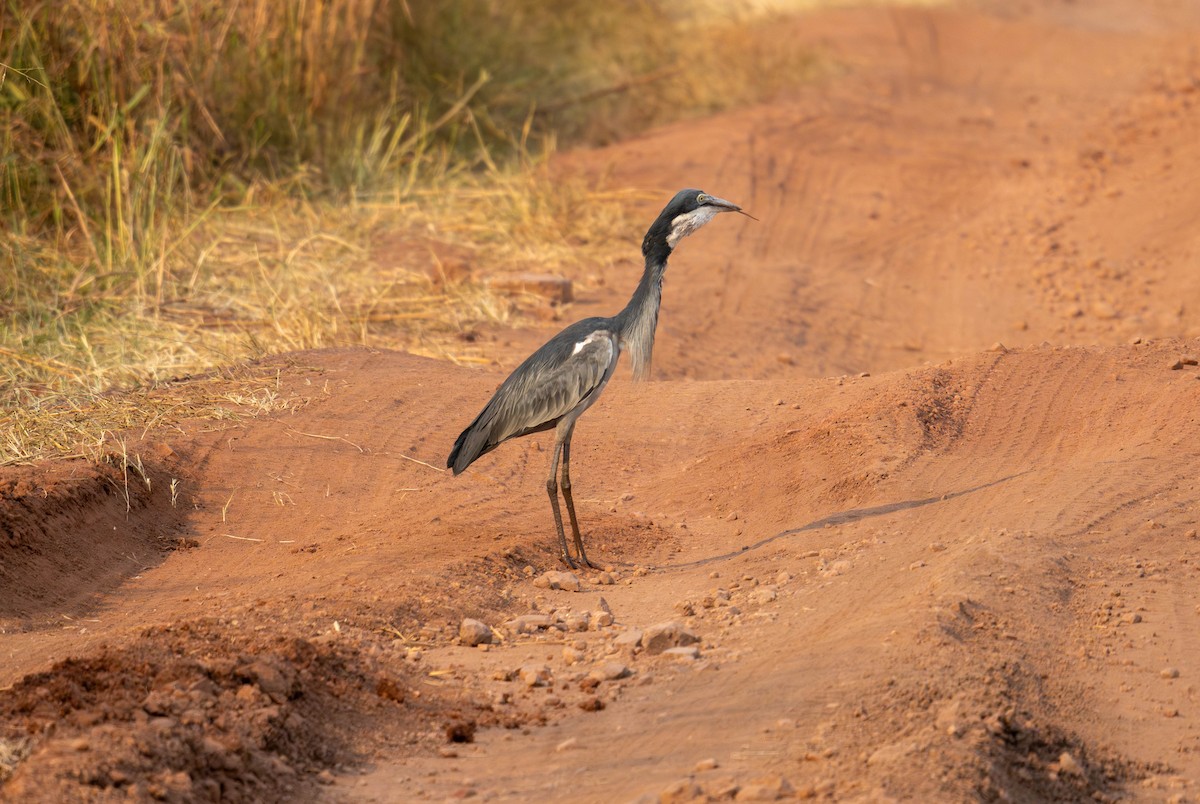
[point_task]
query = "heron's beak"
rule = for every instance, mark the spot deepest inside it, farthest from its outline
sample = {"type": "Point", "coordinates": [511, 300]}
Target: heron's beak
{"type": "Point", "coordinates": [727, 206]}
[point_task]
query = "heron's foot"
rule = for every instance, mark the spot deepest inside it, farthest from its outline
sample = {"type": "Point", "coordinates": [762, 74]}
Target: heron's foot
{"type": "Point", "coordinates": [580, 563]}
{"type": "Point", "coordinates": [587, 562]}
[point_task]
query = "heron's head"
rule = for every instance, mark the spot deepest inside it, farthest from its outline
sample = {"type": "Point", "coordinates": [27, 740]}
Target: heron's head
{"type": "Point", "coordinates": [686, 212]}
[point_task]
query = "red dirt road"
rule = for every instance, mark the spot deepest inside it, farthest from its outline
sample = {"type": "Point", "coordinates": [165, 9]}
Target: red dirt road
{"type": "Point", "coordinates": [972, 573]}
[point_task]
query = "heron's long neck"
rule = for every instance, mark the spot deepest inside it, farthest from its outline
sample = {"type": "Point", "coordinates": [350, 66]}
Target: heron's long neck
{"type": "Point", "coordinates": [635, 324]}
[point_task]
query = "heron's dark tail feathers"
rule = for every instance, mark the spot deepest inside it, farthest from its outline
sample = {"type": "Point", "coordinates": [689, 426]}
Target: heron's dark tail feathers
{"type": "Point", "coordinates": [473, 442]}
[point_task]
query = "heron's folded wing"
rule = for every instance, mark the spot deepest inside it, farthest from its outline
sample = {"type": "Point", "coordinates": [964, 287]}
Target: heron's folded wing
{"type": "Point", "coordinates": [551, 388]}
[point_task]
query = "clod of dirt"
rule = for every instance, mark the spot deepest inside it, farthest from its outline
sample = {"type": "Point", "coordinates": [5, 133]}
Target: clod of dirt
{"type": "Point", "coordinates": [530, 623]}
{"type": "Point", "coordinates": [193, 712]}
{"type": "Point", "coordinates": [1068, 764]}
{"type": "Point", "coordinates": [833, 569]}
{"type": "Point", "coordinates": [277, 680]}
{"type": "Point", "coordinates": [591, 704]}
{"type": "Point", "coordinates": [389, 690]}
{"type": "Point", "coordinates": [460, 731]}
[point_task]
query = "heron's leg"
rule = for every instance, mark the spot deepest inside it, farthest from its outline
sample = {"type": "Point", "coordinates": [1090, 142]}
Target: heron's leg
{"type": "Point", "coordinates": [552, 490]}
{"type": "Point", "coordinates": [566, 490]}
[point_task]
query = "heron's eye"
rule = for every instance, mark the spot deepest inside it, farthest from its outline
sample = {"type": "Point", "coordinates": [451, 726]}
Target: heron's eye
{"type": "Point", "coordinates": [702, 199]}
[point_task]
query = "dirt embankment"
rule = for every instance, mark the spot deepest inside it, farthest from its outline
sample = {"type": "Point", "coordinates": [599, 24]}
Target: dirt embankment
{"type": "Point", "coordinates": [903, 560]}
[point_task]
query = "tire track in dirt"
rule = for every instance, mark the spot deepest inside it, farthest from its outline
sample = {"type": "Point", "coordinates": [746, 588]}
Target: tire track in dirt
{"type": "Point", "coordinates": [1061, 439]}
{"type": "Point", "coordinates": [913, 194]}
{"type": "Point", "coordinates": [972, 625]}
{"type": "Point", "coordinates": [854, 603]}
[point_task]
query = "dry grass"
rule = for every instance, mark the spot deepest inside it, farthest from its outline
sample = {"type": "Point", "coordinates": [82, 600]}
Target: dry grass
{"type": "Point", "coordinates": [95, 426]}
{"type": "Point", "coordinates": [260, 177]}
{"type": "Point", "coordinates": [298, 275]}
{"type": "Point", "coordinates": [287, 277]}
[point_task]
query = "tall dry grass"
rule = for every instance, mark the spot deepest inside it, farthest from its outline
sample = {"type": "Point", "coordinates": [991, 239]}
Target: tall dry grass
{"type": "Point", "coordinates": [188, 183]}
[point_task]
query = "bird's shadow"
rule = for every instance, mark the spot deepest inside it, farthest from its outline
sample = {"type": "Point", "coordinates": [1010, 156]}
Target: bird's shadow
{"type": "Point", "coordinates": [842, 518]}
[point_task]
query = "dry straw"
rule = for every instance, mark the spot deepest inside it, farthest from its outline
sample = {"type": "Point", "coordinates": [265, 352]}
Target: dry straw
{"type": "Point", "coordinates": [189, 184]}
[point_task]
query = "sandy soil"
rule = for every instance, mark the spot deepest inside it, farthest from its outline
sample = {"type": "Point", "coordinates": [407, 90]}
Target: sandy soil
{"type": "Point", "coordinates": [916, 481]}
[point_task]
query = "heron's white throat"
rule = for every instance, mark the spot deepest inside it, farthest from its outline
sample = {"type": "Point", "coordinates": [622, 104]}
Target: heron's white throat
{"type": "Point", "coordinates": [683, 225]}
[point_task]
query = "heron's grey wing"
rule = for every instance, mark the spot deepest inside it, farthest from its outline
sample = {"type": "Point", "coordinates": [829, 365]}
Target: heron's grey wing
{"type": "Point", "coordinates": [549, 390]}
{"type": "Point", "coordinates": [551, 383]}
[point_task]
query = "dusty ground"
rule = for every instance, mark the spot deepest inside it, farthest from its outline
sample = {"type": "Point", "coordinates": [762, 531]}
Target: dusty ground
{"type": "Point", "coordinates": [919, 564]}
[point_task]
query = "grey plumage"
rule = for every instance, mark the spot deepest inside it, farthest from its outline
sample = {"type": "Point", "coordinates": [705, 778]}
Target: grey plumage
{"type": "Point", "coordinates": [564, 377]}
{"type": "Point", "coordinates": [550, 384]}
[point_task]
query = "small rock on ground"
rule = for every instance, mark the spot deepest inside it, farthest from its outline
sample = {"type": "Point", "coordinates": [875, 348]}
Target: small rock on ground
{"type": "Point", "coordinates": [556, 579]}
{"type": "Point", "coordinates": [578, 620]}
{"type": "Point", "coordinates": [473, 632]}
{"type": "Point", "coordinates": [683, 652]}
{"type": "Point", "coordinates": [684, 790]}
{"type": "Point", "coordinates": [534, 675]}
{"type": "Point", "coordinates": [658, 638]}
{"type": "Point", "coordinates": [765, 788]}
{"type": "Point", "coordinates": [764, 594]}
{"type": "Point", "coordinates": [629, 639]}
{"type": "Point", "coordinates": [610, 671]}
